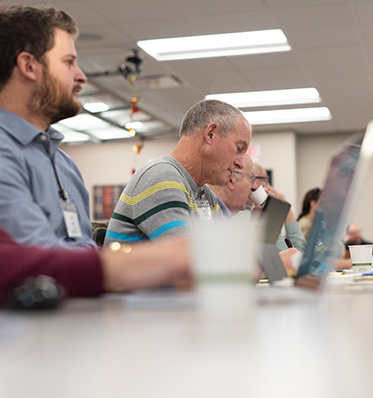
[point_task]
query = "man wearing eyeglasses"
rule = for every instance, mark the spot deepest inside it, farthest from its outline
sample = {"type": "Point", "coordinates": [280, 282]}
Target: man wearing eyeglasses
{"type": "Point", "coordinates": [232, 196]}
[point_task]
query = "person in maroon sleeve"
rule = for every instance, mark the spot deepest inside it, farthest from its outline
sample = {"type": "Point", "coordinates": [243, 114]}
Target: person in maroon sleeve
{"type": "Point", "coordinates": [92, 272]}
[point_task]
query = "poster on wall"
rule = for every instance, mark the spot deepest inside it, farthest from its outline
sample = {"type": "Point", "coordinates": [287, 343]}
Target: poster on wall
{"type": "Point", "coordinates": [105, 198]}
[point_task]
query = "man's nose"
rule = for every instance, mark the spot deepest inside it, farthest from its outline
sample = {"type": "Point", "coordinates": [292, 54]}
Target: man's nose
{"type": "Point", "coordinates": [81, 77]}
{"type": "Point", "coordinates": [255, 185]}
{"type": "Point", "coordinates": [238, 163]}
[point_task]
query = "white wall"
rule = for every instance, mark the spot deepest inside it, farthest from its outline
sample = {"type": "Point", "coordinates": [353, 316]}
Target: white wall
{"type": "Point", "coordinates": [313, 155]}
{"type": "Point", "coordinates": [278, 153]}
{"type": "Point", "coordinates": [111, 163]}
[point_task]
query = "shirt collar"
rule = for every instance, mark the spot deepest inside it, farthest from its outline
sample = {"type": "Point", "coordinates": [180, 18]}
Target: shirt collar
{"type": "Point", "coordinates": [24, 132]}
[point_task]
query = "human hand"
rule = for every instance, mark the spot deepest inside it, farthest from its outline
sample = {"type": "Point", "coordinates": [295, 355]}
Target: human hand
{"type": "Point", "coordinates": [286, 256]}
{"type": "Point", "coordinates": [275, 193]}
{"type": "Point", "coordinates": [146, 265]}
{"type": "Point", "coordinates": [312, 282]}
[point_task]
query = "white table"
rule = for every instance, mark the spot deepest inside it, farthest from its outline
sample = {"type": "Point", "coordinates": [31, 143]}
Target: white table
{"type": "Point", "coordinates": [100, 348]}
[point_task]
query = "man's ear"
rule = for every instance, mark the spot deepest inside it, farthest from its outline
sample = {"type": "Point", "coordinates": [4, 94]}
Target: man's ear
{"type": "Point", "coordinates": [28, 66]}
{"type": "Point", "coordinates": [230, 183]}
{"type": "Point", "coordinates": [210, 131]}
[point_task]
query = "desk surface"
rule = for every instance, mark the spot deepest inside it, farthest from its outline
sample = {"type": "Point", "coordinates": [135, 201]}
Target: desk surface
{"type": "Point", "coordinates": [105, 348]}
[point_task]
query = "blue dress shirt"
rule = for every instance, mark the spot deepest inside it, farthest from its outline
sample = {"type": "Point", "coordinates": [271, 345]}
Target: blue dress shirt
{"type": "Point", "coordinates": [30, 205]}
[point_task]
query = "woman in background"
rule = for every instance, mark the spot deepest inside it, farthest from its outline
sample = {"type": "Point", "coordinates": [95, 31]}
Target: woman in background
{"type": "Point", "coordinates": [309, 207]}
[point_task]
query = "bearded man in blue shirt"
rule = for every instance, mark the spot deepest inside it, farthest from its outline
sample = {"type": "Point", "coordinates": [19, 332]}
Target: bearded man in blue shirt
{"type": "Point", "coordinates": [43, 200]}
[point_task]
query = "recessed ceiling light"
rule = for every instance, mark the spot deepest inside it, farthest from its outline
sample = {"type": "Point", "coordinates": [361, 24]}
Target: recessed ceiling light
{"type": "Point", "coordinates": [269, 98]}
{"type": "Point", "coordinates": [218, 45]}
{"type": "Point", "coordinates": [96, 107]}
{"type": "Point", "coordinates": [288, 116]}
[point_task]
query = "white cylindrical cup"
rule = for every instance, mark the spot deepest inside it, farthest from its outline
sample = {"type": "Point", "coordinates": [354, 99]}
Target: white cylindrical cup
{"type": "Point", "coordinates": [223, 265]}
{"type": "Point", "coordinates": [361, 257]}
{"type": "Point", "coordinates": [259, 196]}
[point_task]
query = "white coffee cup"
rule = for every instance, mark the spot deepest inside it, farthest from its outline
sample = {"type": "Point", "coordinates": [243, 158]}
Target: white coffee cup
{"type": "Point", "coordinates": [361, 257]}
{"type": "Point", "coordinates": [259, 196]}
{"type": "Point", "coordinates": [224, 264]}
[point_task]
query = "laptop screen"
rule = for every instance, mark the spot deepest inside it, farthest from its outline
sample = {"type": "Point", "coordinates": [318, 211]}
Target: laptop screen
{"type": "Point", "coordinates": [324, 241]}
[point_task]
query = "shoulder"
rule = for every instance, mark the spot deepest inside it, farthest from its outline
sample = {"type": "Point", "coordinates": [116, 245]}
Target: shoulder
{"type": "Point", "coordinates": [67, 159]}
{"type": "Point", "coordinates": [304, 221]}
{"type": "Point", "coordinates": [160, 170]}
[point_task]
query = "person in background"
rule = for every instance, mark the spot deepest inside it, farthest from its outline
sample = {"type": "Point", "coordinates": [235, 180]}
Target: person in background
{"type": "Point", "coordinates": [167, 195]}
{"type": "Point", "coordinates": [292, 228]}
{"type": "Point", "coordinates": [354, 237]}
{"type": "Point", "coordinates": [91, 272]}
{"type": "Point", "coordinates": [43, 200]}
{"type": "Point", "coordinates": [232, 196]}
{"type": "Point", "coordinates": [309, 208]}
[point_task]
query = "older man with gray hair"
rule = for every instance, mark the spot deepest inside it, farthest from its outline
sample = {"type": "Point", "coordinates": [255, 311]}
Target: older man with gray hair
{"type": "Point", "coordinates": [164, 197]}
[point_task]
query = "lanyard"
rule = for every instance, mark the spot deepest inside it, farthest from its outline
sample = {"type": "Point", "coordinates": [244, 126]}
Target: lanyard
{"type": "Point", "coordinates": [61, 192]}
{"type": "Point", "coordinates": [70, 213]}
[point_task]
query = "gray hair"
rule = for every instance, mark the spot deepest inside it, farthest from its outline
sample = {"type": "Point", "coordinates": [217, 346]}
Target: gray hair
{"type": "Point", "coordinates": [206, 112]}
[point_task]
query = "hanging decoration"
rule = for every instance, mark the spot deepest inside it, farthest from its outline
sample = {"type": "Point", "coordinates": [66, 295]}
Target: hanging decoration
{"type": "Point", "coordinates": [137, 148]}
{"type": "Point", "coordinates": [129, 69]}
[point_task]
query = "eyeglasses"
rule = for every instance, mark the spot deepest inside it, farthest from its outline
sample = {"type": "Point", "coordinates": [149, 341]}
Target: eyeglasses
{"type": "Point", "coordinates": [264, 179]}
{"type": "Point", "coordinates": [251, 177]}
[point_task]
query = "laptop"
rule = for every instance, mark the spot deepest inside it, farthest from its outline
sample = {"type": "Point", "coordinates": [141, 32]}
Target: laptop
{"type": "Point", "coordinates": [274, 215]}
{"type": "Point", "coordinates": [343, 184]}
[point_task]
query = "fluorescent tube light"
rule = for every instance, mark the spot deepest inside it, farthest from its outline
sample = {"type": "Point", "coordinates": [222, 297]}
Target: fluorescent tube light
{"type": "Point", "coordinates": [96, 107]}
{"type": "Point", "coordinates": [269, 98]}
{"type": "Point", "coordinates": [218, 45]}
{"type": "Point", "coordinates": [112, 133]}
{"type": "Point", "coordinates": [134, 125]}
{"type": "Point", "coordinates": [288, 116]}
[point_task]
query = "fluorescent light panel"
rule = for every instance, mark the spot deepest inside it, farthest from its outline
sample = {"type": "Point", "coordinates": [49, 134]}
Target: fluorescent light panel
{"type": "Point", "coordinates": [218, 45]}
{"type": "Point", "coordinates": [96, 107]}
{"type": "Point", "coordinates": [288, 116]}
{"type": "Point", "coordinates": [83, 122]}
{"type": "Point", "coordinates": [75, 137]}
{"type": "Point", "coordinates": [269, 98]}
{"type": "Point", "coordinates": [112, 133]}
{"type": "Point", "coordinates": [134, 125]}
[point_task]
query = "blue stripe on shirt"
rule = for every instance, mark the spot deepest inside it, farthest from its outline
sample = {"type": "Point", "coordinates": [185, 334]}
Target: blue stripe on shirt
{"type": "Point", "coordinates": [124, 237]}
{"type": "Point", "coordinates": [166, 227]}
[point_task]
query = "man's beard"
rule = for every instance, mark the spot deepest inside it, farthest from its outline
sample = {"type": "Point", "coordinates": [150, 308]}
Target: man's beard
{"type": "Point", "coordinates": [51, 101]}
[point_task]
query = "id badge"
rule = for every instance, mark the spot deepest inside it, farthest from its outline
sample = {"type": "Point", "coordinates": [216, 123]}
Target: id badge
{"type": "Point", "coordinates": [70, 216]}
{"type": "Point", "coordinates": [204, 210]}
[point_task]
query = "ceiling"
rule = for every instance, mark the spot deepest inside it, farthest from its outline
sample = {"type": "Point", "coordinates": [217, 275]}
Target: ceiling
{"type": "Point", "coordinates": [331, 40]}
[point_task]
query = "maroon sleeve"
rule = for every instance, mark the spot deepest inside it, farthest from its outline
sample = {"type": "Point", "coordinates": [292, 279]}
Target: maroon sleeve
{"type": "Point", "coordinates": [78, 271]}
